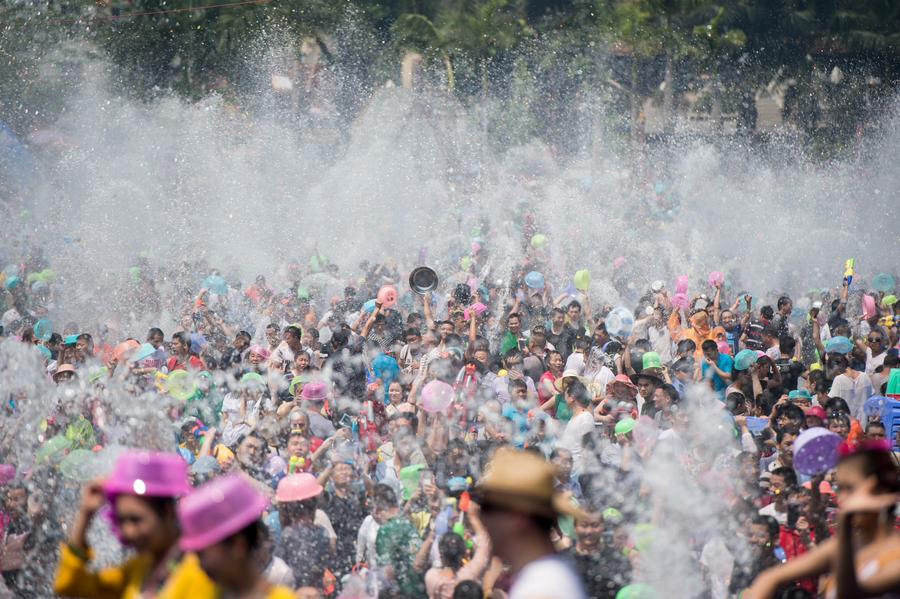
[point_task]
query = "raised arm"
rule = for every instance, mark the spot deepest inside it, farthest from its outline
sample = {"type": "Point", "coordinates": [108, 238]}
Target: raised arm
{"type": "Point", "coordinates": [371, 321]}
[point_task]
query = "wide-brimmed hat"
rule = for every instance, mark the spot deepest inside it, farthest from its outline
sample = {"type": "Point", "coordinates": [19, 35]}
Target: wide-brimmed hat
{"type": "Point", "coordinates": [64, 368]}
{"type": "Point", "coordinates": [561, 382]}
{"type": "Point", "coordinates": [622, 379]}
{"type": "Point", "coordinates": [520, 481]}
{"type": "Point", "coordinates": [647, 374]}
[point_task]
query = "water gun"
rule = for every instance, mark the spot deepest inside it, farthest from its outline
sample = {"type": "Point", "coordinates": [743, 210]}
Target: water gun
{"type": "Point", "coordinates": [296, 464]}
{"type": "Point", "coordinates": [848, 271]}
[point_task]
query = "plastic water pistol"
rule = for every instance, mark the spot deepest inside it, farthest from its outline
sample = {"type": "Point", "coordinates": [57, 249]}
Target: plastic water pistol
{"type": "Point", "coordinates": [296, 464]}
{"type": "Point", "coordinates": [848, 271]}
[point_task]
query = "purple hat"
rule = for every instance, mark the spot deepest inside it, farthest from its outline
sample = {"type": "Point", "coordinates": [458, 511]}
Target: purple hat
{"type": "Point", "coordinates": [314, 391]}
{"type": "Point", "coordinates": [148, 474]}
{"type": "Point", "coordinates": [816, 451]}
{"type": "Point", "coordinates": [217, 510]}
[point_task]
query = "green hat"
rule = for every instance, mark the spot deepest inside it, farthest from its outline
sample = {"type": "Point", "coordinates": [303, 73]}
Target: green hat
{"type": "Point", "coordinates": [799, 393]}
{"type": "Point", "coordinates": [624, 426]}
{"type": "Point", "coordinates": [253, 377]}
{"type": "Point", "coordinates": [651, 360]}
{"type": "Point", "coordinates": [638, 590]}
{"type": "Point", "coordinates": [297, 380]}
{"type": "Point", "coordinates": [612, 515]}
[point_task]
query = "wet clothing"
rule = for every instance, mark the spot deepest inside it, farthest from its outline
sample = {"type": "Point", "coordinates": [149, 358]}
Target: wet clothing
{"type": "Point", "coordinates": [306, 551]}
{"type": "Point", "coordinates": [346, 515]}
{"type": "Point", "coordinates": [603, 572]}
{"type": "Point", "coordinates": [396, 545]}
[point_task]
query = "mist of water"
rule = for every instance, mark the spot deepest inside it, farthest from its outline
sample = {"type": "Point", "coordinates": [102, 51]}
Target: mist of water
{"type": "Point", "coordinates": [247, 192]}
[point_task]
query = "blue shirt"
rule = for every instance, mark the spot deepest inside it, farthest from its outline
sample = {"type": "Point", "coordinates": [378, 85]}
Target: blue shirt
{"type": "Point", "coordinates": [724, 362]}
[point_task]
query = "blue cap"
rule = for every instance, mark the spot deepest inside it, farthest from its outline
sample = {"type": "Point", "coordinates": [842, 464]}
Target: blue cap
{"type": "Point", "coordinates": [745, 359]}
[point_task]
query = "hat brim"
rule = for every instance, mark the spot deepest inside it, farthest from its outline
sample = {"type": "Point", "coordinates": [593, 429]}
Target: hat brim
{"type": "Point", "coordinates": [557, 505]}
{"type": "Point", "coordinates": [643, 375]}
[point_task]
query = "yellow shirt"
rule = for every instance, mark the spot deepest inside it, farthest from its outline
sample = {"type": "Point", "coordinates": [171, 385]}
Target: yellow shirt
{"type": "Point", "coordinates": [280, 593]}
{"type": "Point", "coordinates": [74, 579]}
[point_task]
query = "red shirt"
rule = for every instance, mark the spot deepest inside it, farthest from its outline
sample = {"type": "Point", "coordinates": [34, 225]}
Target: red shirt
{"type": "Point", "coordinates": [193, 363]}
{"type": "Point", "coordinates": [793, 545]}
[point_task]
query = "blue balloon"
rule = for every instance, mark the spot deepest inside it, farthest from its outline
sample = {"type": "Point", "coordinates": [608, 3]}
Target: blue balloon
{"type": "Point", "coordinates": [535, 280]}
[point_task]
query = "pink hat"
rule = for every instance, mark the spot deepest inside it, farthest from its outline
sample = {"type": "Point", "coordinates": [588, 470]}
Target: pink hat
{"type": "Point", "coordinates": [261, 351]}
{"type": "Point", "coordinates": [217, 510]}
{"type": "Point", "coordinates": [816, 411]}
{"type": "Point", "coordinates": [624, 380]}
{"type": "Point", "coordinates": [314, 391]}
{"type": "Point", "coordinates": [148, 474]}
{"type": "Point", "coordinates": [297, 487]}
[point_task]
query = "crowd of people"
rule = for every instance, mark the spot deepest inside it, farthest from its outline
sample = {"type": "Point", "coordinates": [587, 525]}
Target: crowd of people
{"type": "Point", "coordinates": [461, 437]}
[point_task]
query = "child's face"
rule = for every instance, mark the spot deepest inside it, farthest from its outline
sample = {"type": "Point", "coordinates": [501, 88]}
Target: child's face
{"type": "Point", "coordinates": [298, 446]}
{"type": "Point", "coordinates": [758, 535]}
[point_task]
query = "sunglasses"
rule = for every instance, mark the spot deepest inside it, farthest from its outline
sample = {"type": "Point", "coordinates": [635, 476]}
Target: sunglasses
{"type": "Point", "coordinates": [876, 340]}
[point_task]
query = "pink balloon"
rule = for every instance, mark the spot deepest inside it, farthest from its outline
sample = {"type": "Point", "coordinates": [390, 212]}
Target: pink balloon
{"type": "Point", "coordinates": [436, 396]}
{"type": "Point", "coordinates": [387, 295]}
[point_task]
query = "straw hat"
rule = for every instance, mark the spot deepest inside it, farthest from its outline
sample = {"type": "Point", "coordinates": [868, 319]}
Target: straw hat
{"type": "Point", "coordinates": [561, 383]}
{"type": "Point", "coordinates": [520, 481]}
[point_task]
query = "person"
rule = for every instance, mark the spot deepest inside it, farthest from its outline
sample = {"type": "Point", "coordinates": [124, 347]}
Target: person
{"type": "Point", "coordinates": [440, 582]}
{"type": "Point", "coordinates": [852, 386]}
{"type": "Point", "coordinates": [876, 350]}
{"type": "Point", "coordinates": [716, 367]}
{"type": "Point", "coordinates": [864, 555]}
{"type": "Point", "coordinates": [183, 357]}
{"type": "Point", "coordinates": [519, 507]}
{"type": "Point", "coordinates": [344, 500]}
{"type": "Point", "coordinates": [603, 569]}
{"type": "Point", "coordinates": [282, 357]}
{"type": "Point", "coordinates": [142, 491]}
{"type": "Point", "coordinates": [578, 400]}
{"type": "Point", "coordinates": [401, 554]}
{"type": "Point", "coordinates": [560, 335]}
{"type": "Point", "coordinates": [304, 545]}
{"type": "Point", "coordinates": [221, 523]}
{"type": "Point", "coordinates": [780, 480]}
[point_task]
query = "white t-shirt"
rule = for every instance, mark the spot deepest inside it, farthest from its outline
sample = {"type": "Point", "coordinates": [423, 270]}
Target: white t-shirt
{"type": "Point", "coordinates": [770, 510]}
{"type": "Point", "coordinates": [550, 577]}
{"type": "Point", "coordinates": [873, 362]}
{"type": "Point", "coordinates": [854, 391]}
{"type": "Point", "coordinates": [573, 434]}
